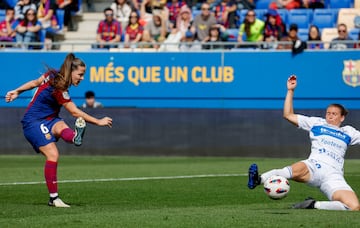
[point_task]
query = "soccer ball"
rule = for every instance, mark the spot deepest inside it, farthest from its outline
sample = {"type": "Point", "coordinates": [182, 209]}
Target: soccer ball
{"type": "Point", "coordinates": [276, 187]}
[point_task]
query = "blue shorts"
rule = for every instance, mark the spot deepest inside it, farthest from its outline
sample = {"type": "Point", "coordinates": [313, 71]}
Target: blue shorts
{"type": "Point", "coordinates": [39, 133]}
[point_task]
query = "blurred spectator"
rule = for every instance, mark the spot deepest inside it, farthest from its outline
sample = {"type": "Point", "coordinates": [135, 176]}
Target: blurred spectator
{"type": "Point", "coordinates": [189, 43]}
{"type": "Point", "coordinates": [157, 29]}
{"type": "Point", "coordinates": [122, 12]}
{"type": "Point", "coordinates": [21, 7]}
{"type": "Point", "coordinates": [90, 5]}
{"type": "Point", "coordinates": [225, 13]}
{"type": "Point", "coordinates": [285, 4]}
{"type": "Point", "coordinates": [357, 45]}
{"type": "Point", "coordinates": [183, 24]}
{"type": "Point", "coordinates": [7, 32]}
{"type": "Point", "coordinates": [203, 22]}
{"type": "Point", "coordinates": [46, 14]}
{"type": "Point", "coordinates": [246, 4]}
{"type": "Point", "coordinates": [216, 37]}
{"type": "Point", "coordinates": [183, 20]}
{"type": "Point", "coordinates": [291, 37]}
{"type": "Point", "coordinates": [134, 30]}
{"type": "Point", "coordinates": [68, 6]}
{"type": "Point", "coordinates": [90, 101]}
{"type": "Point", "coordinates": [313, 4]}
{"type": "Point", "coordinates": [174, 7]}
{"type": "Point", "coordinates": [339, 42]}
{"type": "Point", "coordinates": [315, 36]}
{"type": "Point", "coordinates": [27, 30]}
{"type": "Point", "coordinates": [108, 31]}
{"type": "Point", "coordinates": [148, 6]}
{"type": "Point", "coordinates": [274, 29]}
{"type": "Point", "coordinates": [253, 29]}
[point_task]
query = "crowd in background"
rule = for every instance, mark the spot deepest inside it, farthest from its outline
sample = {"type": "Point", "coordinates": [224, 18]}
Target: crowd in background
{"type": "Point", "coordinates": [34, 21]}
{"type": "Point", "coordinates": [157, 24]}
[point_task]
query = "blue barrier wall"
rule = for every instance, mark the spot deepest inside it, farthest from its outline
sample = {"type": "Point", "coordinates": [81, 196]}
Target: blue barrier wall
{"type": "Point", "coordinates": [247, 80]}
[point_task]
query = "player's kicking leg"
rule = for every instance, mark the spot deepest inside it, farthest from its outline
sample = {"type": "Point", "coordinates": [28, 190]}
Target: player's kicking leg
{"type": "Point", "coordinates": [57, 202]}
{"type": "Point", "coordinates": [254, 178]}
{"type": "Point", "coordinates": [80, 126]}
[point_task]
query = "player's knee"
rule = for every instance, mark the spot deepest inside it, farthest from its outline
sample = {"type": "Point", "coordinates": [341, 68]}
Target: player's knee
{"type": "Point", "coordinates": [355, 207]}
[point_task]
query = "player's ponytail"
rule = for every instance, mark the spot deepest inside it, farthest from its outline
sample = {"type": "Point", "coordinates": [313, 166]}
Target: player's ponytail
{"type": "Point", "coordinates": [63, 80]}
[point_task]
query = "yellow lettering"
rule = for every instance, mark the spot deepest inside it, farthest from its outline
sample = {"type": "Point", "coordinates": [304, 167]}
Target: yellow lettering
{"type": "Point", "coordinates": [133, 75]}
{"type": "Point", "coordinates": [194, 76]}
{"type": "Point", "coordinates": [168, 77]}
{"type": "Point", "coordinates": [205, 78]}
{"type": "Point", "coordinates": [228, 74]}
{"type": "Point", "coordinates": [182, 74]}
{"type": "Point", "coordinates": [216, 74]}
{"type": "Point", "coordinates": [96, 76]}
{"type": "Point", "coordinates": [109, 72]}
{"type": "Point", "coordinates": [155, 74]}
{"type": "Point", "coordinates": [119, 73]}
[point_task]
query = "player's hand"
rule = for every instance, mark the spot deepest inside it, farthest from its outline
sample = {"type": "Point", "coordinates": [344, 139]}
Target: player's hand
{"type": "Point", "coordinates": [11, 95]}
{"type": "Point", "coordinates": [106, 121]}
{"type": "Point", "coordinates": [291, 82]}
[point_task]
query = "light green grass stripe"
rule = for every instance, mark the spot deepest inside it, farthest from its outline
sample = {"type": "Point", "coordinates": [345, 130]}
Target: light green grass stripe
{"type": "Point", "coordinates": [126, 179]}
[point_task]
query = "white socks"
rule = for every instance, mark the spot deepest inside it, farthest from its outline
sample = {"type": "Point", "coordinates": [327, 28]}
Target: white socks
{"type": "Point", "coordinates": [284, 172]}
{"type": "Point", "coordinates": [330, 205]}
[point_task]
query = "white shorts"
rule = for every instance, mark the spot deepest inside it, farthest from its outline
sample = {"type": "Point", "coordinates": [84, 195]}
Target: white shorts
{"type": "Point", "coordinates": [325, 177]}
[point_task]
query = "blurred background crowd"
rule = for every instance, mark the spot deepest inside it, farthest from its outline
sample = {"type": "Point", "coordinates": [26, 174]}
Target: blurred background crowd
{"type": "Point", "coordinates": [182, 25]}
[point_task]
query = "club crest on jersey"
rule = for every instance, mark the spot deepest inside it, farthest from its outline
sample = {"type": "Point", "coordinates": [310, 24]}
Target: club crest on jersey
{"type": "Point", "coordinates": [48, 136]}
{"type": "Point", "coordinates": [66, 95]}
{"type": "Point", "coordinates": [351, 72]}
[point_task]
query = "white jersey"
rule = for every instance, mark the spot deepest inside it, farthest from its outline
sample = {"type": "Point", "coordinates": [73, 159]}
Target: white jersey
{"type": "Point", "coordinates": [328, 143]}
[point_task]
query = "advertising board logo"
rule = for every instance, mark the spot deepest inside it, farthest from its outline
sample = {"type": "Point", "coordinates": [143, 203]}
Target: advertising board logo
{"type": "Point", "coordinates": [351, 73]}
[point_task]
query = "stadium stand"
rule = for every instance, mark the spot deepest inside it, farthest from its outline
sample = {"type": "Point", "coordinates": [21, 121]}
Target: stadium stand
{"type": "Point", "coordinates": [301, 17]}
{"type": "Point", "coordinates": [347, 16]}
{"type": "Point", "coordinates": [324, 18]}
{"type": "Point", "coordinates": [327, 35]}
{"type": "Point", "coordinates": [284, 15]}
{"type": "Point", "coordinates": [232, 34]}
{"type": "Point", "coordinates": [340, 4]}
{"type": "Point", "coordinates": [263, 4]}
{"type": "Point", "coordinates": [354, 33]}
{"type": "Point", "coordinates": [11, 3]}
{"type": "Point", "coordinates": [303, 34]}
{"type": "Point", "coordinates": [2, 14]}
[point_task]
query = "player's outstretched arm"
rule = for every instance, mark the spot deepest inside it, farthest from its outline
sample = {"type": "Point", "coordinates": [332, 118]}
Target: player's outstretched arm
{"type": "Point", "coordinates": [288, 111]}
{"type": "Point", "coordinates": [13, 94]}
{"type": "Point", "coordinates": [76, 112]}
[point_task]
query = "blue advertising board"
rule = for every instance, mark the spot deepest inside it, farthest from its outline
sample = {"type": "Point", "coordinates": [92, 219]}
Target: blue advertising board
{"type": "Point", "coordinates": [247, 80]}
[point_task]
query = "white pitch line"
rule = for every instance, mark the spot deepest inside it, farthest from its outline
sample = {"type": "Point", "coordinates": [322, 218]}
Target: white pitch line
{"type": "Point", "coordinates": [126, 179]}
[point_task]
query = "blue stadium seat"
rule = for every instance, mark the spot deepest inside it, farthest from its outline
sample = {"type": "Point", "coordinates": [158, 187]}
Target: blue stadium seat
{"type": "Point", "coordinates": [303, 34]}
{"type": "Point", "coordinates": [283, 14]}
{"type": "Point", "coordinates": [340, 3]}
{"type": "Point", "coordinates": [2, 14]}
{"type": "Point", "coordinates": [195, 13]}
{"type": "Point", "coordinates": [324, 18]}
{"type": "Point", "coordinates": [301, 17]}
{"type": "Point", "coordinates": [232, 34]}
{"type": "Point", "coordinates": [263, 4]}
{"type": "Point", "coordinates": [354, 33]}
{"type": "Point", "coordinates": [11, 3]}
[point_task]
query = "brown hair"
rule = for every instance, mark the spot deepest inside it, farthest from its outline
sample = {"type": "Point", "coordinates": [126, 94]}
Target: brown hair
{"type": "Point", "coordinates": [62, 79]}
{"type": "Point", "coordinates": [343, 110]}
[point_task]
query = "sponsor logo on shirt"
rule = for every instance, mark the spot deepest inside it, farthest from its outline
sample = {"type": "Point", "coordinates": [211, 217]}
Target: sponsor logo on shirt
{"type": "Point", "coordinates": [321, 130]}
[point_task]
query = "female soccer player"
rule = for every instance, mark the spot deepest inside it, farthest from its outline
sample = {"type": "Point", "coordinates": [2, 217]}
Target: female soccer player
{"type": "Point", "coordinates": [42, 125]}
{"type": "Point", "coordinates": [324, 167]}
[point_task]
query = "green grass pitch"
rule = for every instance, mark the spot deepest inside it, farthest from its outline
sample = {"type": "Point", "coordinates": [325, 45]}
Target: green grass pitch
{"type": "Point", "coordinates": [101, 196]}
